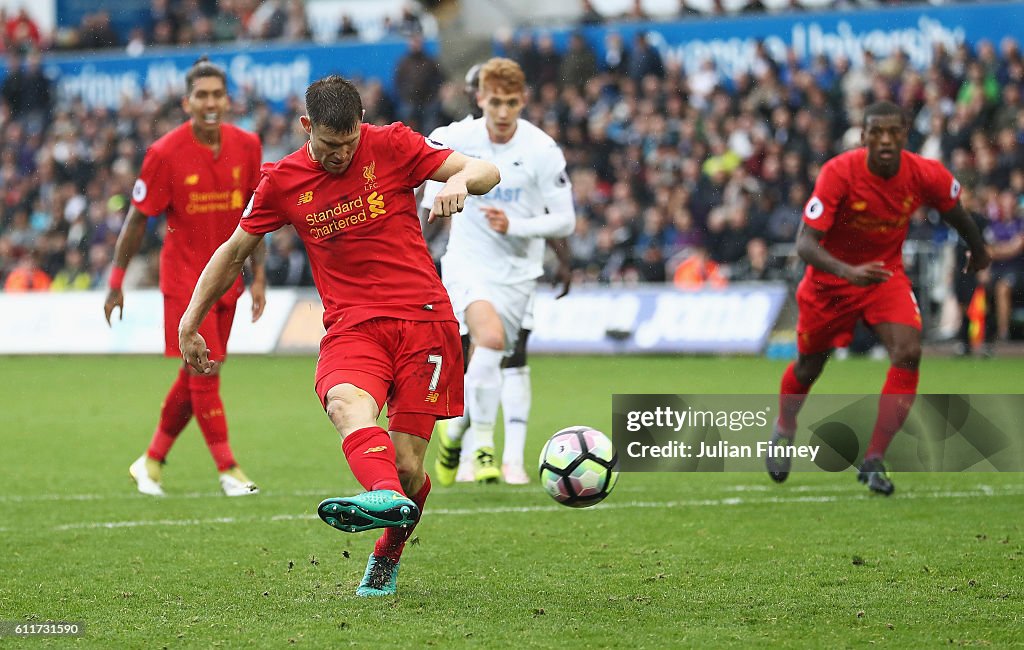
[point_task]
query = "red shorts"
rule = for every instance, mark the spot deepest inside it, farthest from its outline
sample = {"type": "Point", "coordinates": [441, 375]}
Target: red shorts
{"type": "Point", "coordinates": [215, 328]}
{"type": "Point", "coordinates": [415, 367]}
{"type": "Point", "coordinates": [828, 314]}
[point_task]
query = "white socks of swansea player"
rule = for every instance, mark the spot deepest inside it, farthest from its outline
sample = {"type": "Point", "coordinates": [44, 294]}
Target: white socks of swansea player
{"type": "Point", "coordinates": [515, 405]}
{"type": "Point", "coordinates": [483, 395]}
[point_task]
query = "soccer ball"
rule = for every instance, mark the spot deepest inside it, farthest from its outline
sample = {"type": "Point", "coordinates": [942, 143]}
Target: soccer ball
{"type": "Point", "coordinates": [578, 466]}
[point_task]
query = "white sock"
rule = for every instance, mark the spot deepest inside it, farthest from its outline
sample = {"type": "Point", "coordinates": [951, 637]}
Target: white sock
{"type": "Point", "coordinates": [483, 394]}
{"type": "Point", "coordinates": [515, 404]}
{"type": "Point", "coordinates": [468, 448]}
{"type": "Point", "coordinates": [456, 428]}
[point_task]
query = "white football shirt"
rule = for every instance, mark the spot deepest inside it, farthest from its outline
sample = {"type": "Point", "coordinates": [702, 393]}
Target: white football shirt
{"type": "Point", "coordinates": [534, 192]}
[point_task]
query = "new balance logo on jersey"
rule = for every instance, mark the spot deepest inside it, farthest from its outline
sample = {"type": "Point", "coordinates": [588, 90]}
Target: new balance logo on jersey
{"type": "Point", "coordinates": [431, 397]}
{"type": "Point", "coordinates": [374, 450]}
{"type": "Point", "coordinates": [192, 179]}
{"type": "Point", "coordinates": [304, 198]}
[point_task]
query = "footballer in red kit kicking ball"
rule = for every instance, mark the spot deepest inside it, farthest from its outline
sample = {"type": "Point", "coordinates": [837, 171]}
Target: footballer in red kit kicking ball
{"type": "Point", "coordinates": [392, 337]}
{"type": "Point", "coordinates": [852, 238]}
{"type": "Point", "coordinates": [200, 175]}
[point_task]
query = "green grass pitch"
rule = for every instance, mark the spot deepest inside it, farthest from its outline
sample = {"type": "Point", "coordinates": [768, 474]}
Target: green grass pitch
{"type": "Point", "coordinates": [669, 560]}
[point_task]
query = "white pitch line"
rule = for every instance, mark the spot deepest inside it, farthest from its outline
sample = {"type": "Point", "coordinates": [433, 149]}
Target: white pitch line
{"type": "Point", "coordinates": [132, 495]}
{"type": "Point", "coordinates": [981, 491]}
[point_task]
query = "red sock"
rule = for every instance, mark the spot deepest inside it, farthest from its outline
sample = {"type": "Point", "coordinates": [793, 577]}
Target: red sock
{"type": "Point", "coordinates": [893, 407]}
{"type": "Point", "coordinates": [174, 415]}
{"type": "Point", "coordinates": [791, 398]}
{"type": "Point", "coordinates": [209, 411]}
{"type": "Point", "coordinates": [392, 542]}
{"type": "Point", "coordinates": [371, 455]}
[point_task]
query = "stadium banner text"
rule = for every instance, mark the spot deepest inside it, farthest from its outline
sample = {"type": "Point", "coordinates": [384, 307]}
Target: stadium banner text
{"type": "Point", "coordinates": [593, 320]}
{"type": "Point", "coordinates": [273, 73]}
{"type": "Point", "coordinates": [656, 320]}
{"type": "Point", "coordinates": [730, 433]}
{"type": "Point", "coordinates": [731, 41]}
{"type": "Point", "coordinates": [73, 323]}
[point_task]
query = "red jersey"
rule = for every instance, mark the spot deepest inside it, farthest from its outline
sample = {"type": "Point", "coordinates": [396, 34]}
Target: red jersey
{"type": "Point", "coordinates": [360, 228]}
{"type": "Point", "coordinates": [203, 196]}
{"type": "Point", "coordinates": [865, 217]}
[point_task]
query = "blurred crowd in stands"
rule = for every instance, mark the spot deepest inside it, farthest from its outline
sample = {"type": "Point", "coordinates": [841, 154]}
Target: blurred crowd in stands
{"type": "Point", "coordinates": [696, 179]}
{"type": "Point", "coordinates": [190, 22]}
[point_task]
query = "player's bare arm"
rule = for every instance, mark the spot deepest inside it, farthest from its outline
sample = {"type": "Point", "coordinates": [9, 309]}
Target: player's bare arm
{"type": "Point", "coordinates": [220, 273]}
{"type": "Point", "coordinates": [563, 274]}
{"type": "Point", "coordinates": [461, 175]}
{"type": "Point", "coordinates": [258, 289]}
{"type": "Point", "coordinates": [129, 241]}
{"type": "Point", "coordinates": [978, 257]}
{"type": "Point", "coordinates": [810, 250]}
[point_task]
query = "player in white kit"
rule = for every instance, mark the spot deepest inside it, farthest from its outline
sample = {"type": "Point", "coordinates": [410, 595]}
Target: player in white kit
{"type": "Point", "coordinates": [495, 253]}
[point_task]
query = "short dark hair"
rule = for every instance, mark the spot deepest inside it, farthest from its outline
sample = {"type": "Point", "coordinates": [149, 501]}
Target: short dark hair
{"type": "Point", "coordinates": [203, 67]}
{"type": "Point", "coordinates": [334, 102]}
{"type": "Point", "coordinates": [884, 109]}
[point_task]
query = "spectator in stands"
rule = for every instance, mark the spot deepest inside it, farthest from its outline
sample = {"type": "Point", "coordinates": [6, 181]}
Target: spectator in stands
{"type": "Point", "coordinates": [296, 27]}
{"type": "Point", "coordinates": [96, 32]}
{"type": "Point", "coordinates": [21, 34]}
{"type": "Point", "coordinates": [523, 51]}
{"type": "Point", "coordinates": [227, 24]}
{"type": "Point", "coordinates": [644, 60]}
{"type": "Point", "coordinates": [287, 265]}
{"type": "Point", "coordinates": [418, 78]}
{"type": "Point", "coordinates": [636, 12]}
{"type": "Point", "coordinates": [758, 264]}
{"type": "Point", "coordinates": [409, 24]}
{"type": "Point", "coordinates": [549, 62]}
{"type": "Point", "coordinates": [579, 64]}
{"type": "Point", "coordinates": [698, 271]}
{"type": "Point", "coordinates": [347, 28]}
{"type": "Point", "coordinates": [269, 20]}
{"type": "Point", "coordinates": [28, 91]}
{"type": "Point", "coordinates": [980, 89]}
{"type": "Point", "coordinates": [27, 276]}
{"type": "Point", "coordinates": [160, 12]}
{"type": "Point", "coordinates": [74, 276]}
{"type": "Point", "coordinates": [1005, 237]}
{"type": "Point", "coordinates": [589, 15]}
{"type": "Point", "coordinates": [785, 219]}
{"type": "Point", "coordinates": [616, 54]}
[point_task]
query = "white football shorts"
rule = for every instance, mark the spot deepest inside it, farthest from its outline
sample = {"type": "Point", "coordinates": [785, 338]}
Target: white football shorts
{"type": "Point", "coordinates": [512, 301]}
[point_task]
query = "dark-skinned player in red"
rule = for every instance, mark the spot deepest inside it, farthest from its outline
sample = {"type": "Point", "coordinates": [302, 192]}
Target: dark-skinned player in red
{"type": "Point", "coordinates": [852, 238]}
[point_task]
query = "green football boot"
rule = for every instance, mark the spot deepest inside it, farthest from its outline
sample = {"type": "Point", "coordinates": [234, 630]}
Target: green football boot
{"type": "Point", "coordinates": [448, 452]}
{"type": "Point", "coordinates": [374, 509]}
{"type": "Point", "coordinates": [380, 579]}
